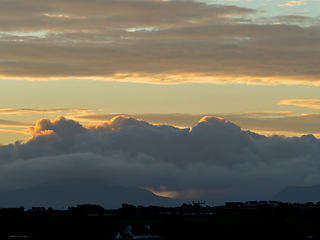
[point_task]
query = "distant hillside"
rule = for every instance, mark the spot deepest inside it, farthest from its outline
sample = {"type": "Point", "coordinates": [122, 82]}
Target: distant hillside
{"type": "Point", "coordinates": [60, 195]}
{"type": "Point", "coordinates": [296, 194]}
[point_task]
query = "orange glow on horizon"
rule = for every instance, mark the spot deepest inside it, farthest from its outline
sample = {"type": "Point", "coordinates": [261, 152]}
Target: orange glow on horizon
{"type": "Point", "coordinates": [173, 79]}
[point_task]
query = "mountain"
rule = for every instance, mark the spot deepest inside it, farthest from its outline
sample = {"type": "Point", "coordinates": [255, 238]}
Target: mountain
{"type": "Point", "coordinates": [60, 195]}
{"type": "Point", "coordinates": [296, 194]}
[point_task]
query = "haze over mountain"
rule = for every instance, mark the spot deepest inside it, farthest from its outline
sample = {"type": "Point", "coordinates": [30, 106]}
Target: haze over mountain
{"type": "Point", "coordinates": [62, 194]}
{"type": "Point", "coordinates": [215, 161]}
{"type": "Point", "coordinates": [297, 194]}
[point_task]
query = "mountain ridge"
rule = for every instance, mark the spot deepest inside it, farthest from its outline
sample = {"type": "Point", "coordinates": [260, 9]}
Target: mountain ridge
{"type": "Point", "coordinates": [299, 194]}
{"type": "Point", "coordinates": [62, 195]}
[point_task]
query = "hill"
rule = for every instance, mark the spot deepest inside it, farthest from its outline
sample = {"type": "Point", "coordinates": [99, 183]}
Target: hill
{"type": "Point", "coordinates": [60, 195]}
{"type": "Point", "coordinates": [296, 194]}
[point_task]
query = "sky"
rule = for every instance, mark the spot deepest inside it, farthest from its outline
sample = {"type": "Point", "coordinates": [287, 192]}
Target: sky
{"type": "Point", "coordinates": [202, 99]}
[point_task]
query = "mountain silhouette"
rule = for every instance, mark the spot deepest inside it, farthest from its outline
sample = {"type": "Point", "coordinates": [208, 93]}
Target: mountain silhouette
{"type": "Point", "coordinates": [295, 194]}
{"type": "Point", "coordinates": [60, 195]}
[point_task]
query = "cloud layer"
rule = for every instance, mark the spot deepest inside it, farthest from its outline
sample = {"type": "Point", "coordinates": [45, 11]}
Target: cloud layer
{"type": "Point", "coordinates": [9, 123]}
{"type": "Point", "coordinates": [30, 111]}
{"type": "Point", "coordinates": [309, 103]}
{"type": "Point", "coordinates": [215, 160]}
{"type": "Point", "coordinates": [156, 41]}
{"type": "Point", "coordinates": [280, 122]}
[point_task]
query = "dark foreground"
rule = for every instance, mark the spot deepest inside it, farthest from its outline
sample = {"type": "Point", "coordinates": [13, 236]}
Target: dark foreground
{"type": "Point", "coordinates": [92, 222]}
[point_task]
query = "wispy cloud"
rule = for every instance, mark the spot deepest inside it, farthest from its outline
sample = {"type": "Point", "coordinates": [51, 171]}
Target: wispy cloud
{"type": "Point", "coordinates": [23, 132]}
{"type": "Point", "coordinates": [308, 103]}
{"type": "Point", "coordinates": [293, 3]}
{"type": "Point", "coordinates": [264, 114]}
{"type": "Point", "coordinates": [8, 123]}
{"type": "Point", "coordinates": [32, 111]}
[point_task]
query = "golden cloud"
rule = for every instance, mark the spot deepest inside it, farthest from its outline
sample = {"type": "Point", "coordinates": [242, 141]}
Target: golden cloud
{"type": "Point", "coordinates": [293, 3]}
{"type": "Point", "coordinates": [308, 103]}
{"type": "Point", "coordinates": [269, 122]}
{"type": "Point", "coordinates": [30, 111]}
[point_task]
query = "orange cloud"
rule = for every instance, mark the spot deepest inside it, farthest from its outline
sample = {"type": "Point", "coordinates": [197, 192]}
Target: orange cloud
{"type": "Point", "coordinates": [163, 191]}
{"type": "Point", "coordinates": [38, 129]}
{"type": "Point", "coordinates": [42, 126]}
{"type": "Point", "coordinates": [31, 111]}
{"type": "Point", "coordinates": [115, 123]}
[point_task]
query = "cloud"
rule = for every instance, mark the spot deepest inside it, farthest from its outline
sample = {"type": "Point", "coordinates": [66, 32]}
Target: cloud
{"type": "Point", "coordinates": [308, 103]}
{"type": "Point", "coordinates": [24, 132]}
{"type": "Point", "coordinates": [293, 3]}
{"type": "Point", "coordinates": [76, 16]}
{"type": "Point", "coordinates": [291, 124]}
{"type": "Point", "coordinates": [262, 114]}
{"type": "Point", "coordinates": [160, 42]}
{"type": "Point", "coordinates": [292, 19]}
{"type": "Point", "coordinates": [215, 160]}
{"type": "Point", "coordinates": [177, 120]}
{"type": "Point", "coordinates": [31, 111]}
{"type": "Point", "coordinates": [268, 122]}
{"type": "Point", "coordinates": [9, 123]}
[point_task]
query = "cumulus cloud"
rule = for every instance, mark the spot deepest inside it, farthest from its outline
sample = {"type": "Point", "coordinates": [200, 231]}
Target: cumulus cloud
{"type": "Point", "coordinates": [161, 42]}
{"type": "Point", "coordinates": [214, 160]}
{"type": "Point", "coordinates": [268, 122]}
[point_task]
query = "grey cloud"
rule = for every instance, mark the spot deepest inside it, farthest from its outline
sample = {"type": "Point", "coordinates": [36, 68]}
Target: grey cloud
{"type": "Point", "coordinates": [186, 39]}
{"type": "Point", "coordinates": [76, 15]}
{"type": "Point", "coordinates": [291, 19]}
{"type": "Point", "coordinates": [215, 160]}
{"type": "Point", "coordinates": [229, 58]}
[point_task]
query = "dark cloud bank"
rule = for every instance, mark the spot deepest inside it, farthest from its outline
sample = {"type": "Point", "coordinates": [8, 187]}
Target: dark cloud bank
{"type": "Point", "coordinates": [156, 41]}
{"type": "Point", "coordinates": [214, 161]}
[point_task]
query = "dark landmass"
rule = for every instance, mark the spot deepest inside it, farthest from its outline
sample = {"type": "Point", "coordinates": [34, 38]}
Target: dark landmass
{"type": "Point", "coordinates": [296, 194]}
{"type": "Point", "coordinates": [189, 221]}
{"type": "Point", "coordinates": [60, 195]}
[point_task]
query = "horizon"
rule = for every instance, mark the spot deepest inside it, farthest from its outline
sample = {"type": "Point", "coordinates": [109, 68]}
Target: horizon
{"type": "Point", "coordinates": [193, 205]}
